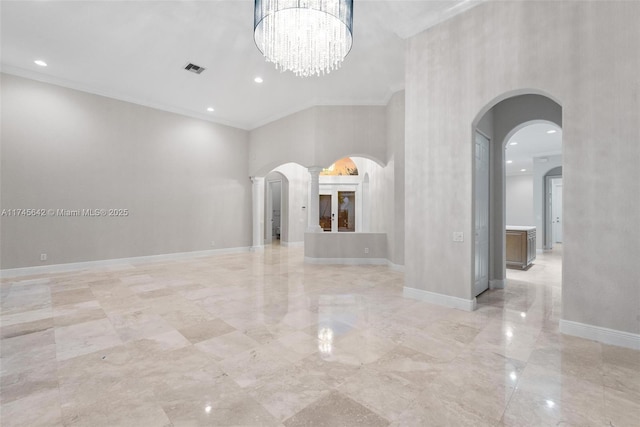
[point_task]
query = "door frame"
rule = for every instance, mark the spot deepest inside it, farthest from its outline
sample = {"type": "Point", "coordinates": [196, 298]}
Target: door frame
{"type": "Point", "coordinates": [548, 224]}
{"type": "Point", "coordinates": [475, 207]}
{"type": "Point", "coordinates": [268, 227]}
{"type": "Point", "coordinates": [332, 190]}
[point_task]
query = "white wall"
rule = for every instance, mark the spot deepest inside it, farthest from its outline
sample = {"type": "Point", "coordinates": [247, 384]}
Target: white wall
{"type": "Point", "coordinates": [184, 181]}
{"type": "Point", "coordinates": [584, 54]}
{"type": "Point", "coordinates": [519, 200]}
{"type": "Point", "coordinates": [379, 193]}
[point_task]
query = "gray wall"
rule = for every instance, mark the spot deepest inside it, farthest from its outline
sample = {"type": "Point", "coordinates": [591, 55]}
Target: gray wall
{"type": "Point", "coordinates": [396, 171]}
{"type": "Point", "coordinates": [184, 181]}
{"type": "Point", "coordinates": [345, 245]}
{"type": "Point", "coordinates": [583, 54]}
{"type": "Point", "coordinates": [319, 136]}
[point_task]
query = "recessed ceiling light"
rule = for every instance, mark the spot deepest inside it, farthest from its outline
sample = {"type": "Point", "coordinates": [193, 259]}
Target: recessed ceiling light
{"type": "Point", "coordinates": [523, 170]}
{"type": "Point", "coordinates": [258, 80]}
{"type": "Point", "coordinates": [513, 143]}
{"type": "Point", "coordinates": [509, 162]}
{"type": "Point", "coordinates": [210, 109]}
{"type": "Point", "coordinates": [40, 62]}
{"type": "Point", "coordinates": [552, 131]}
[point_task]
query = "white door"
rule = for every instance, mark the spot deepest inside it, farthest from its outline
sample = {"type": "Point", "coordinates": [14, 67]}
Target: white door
{"type": "Point", "coordinates": [556, 209]}
{"type": "Point", "coordinates": [482, 214]}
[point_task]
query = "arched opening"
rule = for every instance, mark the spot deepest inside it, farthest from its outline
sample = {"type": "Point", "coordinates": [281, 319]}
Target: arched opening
{"type": "Point", "coordinates": [276, 208]}
{"type": "Point", "coordinates": [497, 131]}
{"type": "Point", "coordinates": [286, 216]}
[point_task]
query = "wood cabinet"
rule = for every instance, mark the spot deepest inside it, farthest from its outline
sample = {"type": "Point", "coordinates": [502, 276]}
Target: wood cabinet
{"type": "Point", "coordinates": [520, 246]}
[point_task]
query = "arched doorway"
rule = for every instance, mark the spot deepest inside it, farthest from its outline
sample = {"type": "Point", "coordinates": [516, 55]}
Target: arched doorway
{"type": "Point", "coordinates": [276, 208]}
{"type": "Point", "coordinates": [492, 129]}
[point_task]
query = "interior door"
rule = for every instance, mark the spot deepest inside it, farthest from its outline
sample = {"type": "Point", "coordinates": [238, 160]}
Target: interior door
{"type": "Point", "coordinates": [556, 209]}
{"type": "Point", "coordinates": [481, 283]}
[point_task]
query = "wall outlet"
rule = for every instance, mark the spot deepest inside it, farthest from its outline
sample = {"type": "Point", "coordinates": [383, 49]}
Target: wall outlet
{"type": "Point", "coordinates": [458, 236]}
{"type": "Point", "coordinates": [366, 250]}
{"type": "Point", "coordinates": [213, 243]}
{"type": "Point", "coordinates": [43, 257]}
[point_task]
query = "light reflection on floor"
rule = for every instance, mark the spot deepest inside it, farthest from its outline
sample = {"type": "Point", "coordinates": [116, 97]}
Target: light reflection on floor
{"type": "Point", "coordinates": [263, 339]}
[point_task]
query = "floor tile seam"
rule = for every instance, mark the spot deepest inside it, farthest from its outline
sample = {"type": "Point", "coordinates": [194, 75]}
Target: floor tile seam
{"type": "Point", "coordinates": [511, 397]}
{"type": "Point", "coordinates": [365, 404]}
{"type": "Point", "coordinates": [562, 401]}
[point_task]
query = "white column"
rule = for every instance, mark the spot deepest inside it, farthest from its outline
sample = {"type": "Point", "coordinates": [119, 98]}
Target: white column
{"type": "Point", "coordinates": [313, 225]}
{"type": "Point", "coordinates": [257, 191]}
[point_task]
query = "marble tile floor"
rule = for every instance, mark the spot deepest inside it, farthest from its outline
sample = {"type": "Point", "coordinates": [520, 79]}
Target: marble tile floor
{"type": "Point", "coordinates": [261, 339]}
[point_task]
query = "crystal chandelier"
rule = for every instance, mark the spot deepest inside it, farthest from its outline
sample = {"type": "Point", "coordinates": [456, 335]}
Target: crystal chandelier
{"type": "Point", "coordinates": [308, 37]}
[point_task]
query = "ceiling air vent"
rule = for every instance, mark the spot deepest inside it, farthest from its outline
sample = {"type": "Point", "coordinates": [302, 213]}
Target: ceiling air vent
{"type": "Point", "coordinates": [194, 68]}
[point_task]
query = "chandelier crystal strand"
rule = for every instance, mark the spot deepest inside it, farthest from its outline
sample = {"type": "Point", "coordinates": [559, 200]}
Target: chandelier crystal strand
{"type": "Point", "coordinates": [307, 37]}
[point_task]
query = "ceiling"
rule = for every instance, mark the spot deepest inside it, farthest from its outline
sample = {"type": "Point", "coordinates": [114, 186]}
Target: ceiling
{"type": "Point", "coordinates": [534, 144]}
{"type": "Point", "coordinates": [136, 51]}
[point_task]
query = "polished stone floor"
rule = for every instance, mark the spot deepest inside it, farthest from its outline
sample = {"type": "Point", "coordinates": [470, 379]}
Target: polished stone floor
{"type": "Point", "coordinates": [263, 339]}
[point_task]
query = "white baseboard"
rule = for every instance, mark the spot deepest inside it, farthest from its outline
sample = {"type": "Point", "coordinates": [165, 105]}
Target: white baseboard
{"type": "Point", "coordinates": [439, 299]}
{"type": "Point", "coordinates": [292, 244]}
{"type": "Point", "coordinates": [496, 284]}
{"type": "Point", "coordinates": [395, 267]}
{"type": "Point", "coordinates": [346, 261]}
{"type": "Point", "coordinates": [76, 266]}
{"type": "Point", "coordinates": [600, 334]}
{"type": "Point", "coordinates": [256, 248]}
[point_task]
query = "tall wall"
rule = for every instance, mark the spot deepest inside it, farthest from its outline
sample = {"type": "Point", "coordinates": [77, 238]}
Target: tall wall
{"type": "Point", "coordinates": [184, 181]}
{"type": "Point", "coordinates": [583, 54]}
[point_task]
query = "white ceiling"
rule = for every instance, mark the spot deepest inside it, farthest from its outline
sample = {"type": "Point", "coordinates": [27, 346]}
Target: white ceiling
{"type": "Point", "coordinates": [136, 51]}
{"type": "Point", "coordinates": [534, 144]}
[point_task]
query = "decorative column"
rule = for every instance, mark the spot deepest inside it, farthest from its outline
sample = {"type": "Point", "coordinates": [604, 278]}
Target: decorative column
{"type": "Point", "coordinates": [313, 224]}
{"type": "Point", "coordinates": [257, 192]}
